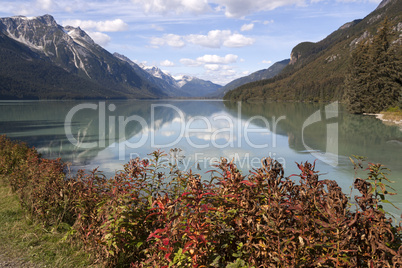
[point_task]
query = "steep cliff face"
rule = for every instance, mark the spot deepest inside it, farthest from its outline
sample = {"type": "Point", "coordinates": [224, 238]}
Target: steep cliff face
{"type": "Point", "coordinates": [66, 47]}
{"type": "Point", "coordinates": [74, 51]}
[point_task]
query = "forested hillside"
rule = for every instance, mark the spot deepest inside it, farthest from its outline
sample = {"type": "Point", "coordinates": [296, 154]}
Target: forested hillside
{"type": "Point", "coordinates": [374, 83]}
{"type": "Point", "coordinates": [318, 71]}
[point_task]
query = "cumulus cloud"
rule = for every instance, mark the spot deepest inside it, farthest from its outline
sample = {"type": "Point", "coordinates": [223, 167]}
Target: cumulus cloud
{"type": "Point", "coordinates": [231, 8]}
{"type": "Point", "coordinates": [116, 25]}
{"type": "Point", "coordinates": [99, 38]}
{"type": "Point", "coordinates": [190, 62]}
{"type": "Point", "coordinates": [215, 59]}
{"type": "Point", "coordinates": [219, 38]}
{"type": "Point", "coordinates": [210, 62]}
{"type": "Point", "coordinates": [45, 4]}
{"type": "Point", "coordinates": [212, 67]}
{"type": "Point", "coordinates": [238, 40]}
{"type": "Point", "coordinates": [213, 64]}
{"type": "Point", "coordinates": [247, 27]}
{"type": "Point", "coordinates": [174, 6]}
{"type": "Point", "coordinates": [214, 39]}
{"type": "Point", "coordinates": [172, 40]}
{"type": "Point", "coordinates": [241, 8]}
{"type": "Point", "coordinates": [222, 75]}
{"type": "Point", "coordinates": [167, 63]}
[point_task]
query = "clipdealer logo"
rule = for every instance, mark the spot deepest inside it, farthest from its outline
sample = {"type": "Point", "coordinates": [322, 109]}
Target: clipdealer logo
{"type": "Point", "coordinates": [330, 156]}
{"type": "Point", "coordinates": [238, 129]}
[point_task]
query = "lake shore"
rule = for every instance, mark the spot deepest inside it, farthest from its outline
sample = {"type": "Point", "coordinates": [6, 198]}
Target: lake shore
{"type": "Point", "coordinates": [389, 118]}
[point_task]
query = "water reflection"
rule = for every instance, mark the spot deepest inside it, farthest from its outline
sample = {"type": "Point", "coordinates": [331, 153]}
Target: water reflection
{"type": "Point", "coordinates": [108, 134]}
{"type": "Point", "coordinates": [357, 135]}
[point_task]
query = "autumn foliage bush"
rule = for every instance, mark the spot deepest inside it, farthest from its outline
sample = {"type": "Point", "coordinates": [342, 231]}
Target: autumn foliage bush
{"type": "Point", "coordinates": [150, 214]}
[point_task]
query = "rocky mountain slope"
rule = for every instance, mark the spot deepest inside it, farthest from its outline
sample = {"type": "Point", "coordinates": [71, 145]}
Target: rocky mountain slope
{"type": "Point", "coordinates": [317, 71]}
{"type": "Point", "coordinates": [43, 60]}
{"type": "Point", "coordinates": [62, 62]}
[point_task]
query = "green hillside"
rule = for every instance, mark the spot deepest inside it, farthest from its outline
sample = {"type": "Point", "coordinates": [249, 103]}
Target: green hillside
{"type": "Point", "coordinates": [317, 71]}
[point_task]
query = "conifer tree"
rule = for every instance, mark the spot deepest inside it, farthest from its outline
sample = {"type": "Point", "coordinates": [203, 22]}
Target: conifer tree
{"type": "Point", "coordinates": [374, 83]}
{"type": "Point", "coordinates": [358, 79]}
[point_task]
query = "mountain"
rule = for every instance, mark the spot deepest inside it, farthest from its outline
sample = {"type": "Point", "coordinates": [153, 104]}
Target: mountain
{"type": "Point", "coordinates": [174, 87]}
{"type": "Point", "coordinates": [196, 87]}
{"type": "Point", "coordinates": [317, 71]}
{"type": "Point", "coordinates": [272, 71]}
{"type": "Point", "coordinates": [156, 77]}
{"type": "Point", "coordinates": [184, 85]}
{"type": "Point", "coordinates": [178, 86]}
{"type": "Point", "coordinates": [41, 60]}
{"type": "Point", "coordinates": [158, 73]}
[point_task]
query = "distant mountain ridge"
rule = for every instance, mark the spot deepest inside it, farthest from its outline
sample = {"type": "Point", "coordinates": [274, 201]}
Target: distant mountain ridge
{"type": "Point", "coordinates": [43, 60]}
{"type": "Point", "coordinates": [185, 85]}
{"type": "Point", "coordinates": [272, 71]}
{"type": "Point", "coordinates": [317, 71]}
{"type": "Point", "coordinates": [176, 86]}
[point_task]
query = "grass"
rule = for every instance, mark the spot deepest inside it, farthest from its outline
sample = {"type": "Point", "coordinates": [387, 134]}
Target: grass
{"type": "Point", "coordinates": [26, 243]}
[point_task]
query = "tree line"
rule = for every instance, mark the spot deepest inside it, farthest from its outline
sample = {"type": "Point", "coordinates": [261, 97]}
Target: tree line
{"type": "Point", "coordinates": [374, 82]}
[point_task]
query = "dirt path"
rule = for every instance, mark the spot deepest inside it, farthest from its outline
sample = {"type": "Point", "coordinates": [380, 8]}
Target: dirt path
{"type": "Point", "coordinates": [7, 262]}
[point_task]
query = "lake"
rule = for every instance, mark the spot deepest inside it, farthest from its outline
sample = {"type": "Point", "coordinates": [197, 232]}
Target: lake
{"type": "Point", "coordinates": [92, 134]}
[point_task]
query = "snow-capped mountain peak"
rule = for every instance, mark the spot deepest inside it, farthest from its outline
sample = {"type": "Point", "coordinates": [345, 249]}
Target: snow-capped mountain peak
{"type": "Point", "coordinates": [182, 80]}
{"type": "Point", "coordinates": [156, 72]}
{"type": "Point", "coordinates": [183, 85]}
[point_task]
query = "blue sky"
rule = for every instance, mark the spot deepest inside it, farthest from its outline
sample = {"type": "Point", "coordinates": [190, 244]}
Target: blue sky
{"type": "Point", "coordinates": [217, 40]}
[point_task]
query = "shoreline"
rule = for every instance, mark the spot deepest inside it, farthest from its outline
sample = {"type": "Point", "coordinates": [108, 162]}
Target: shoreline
{"type": "Point", "coordinates": [380, 116]}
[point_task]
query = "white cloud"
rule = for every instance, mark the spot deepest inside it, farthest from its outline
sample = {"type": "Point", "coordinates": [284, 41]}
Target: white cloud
{"type": "Point", "coordinates": [222, 76]}
{"type": "Point", "coordinates": [219, 38]}
{"type": "Point", "coordinates": [99, 38]}
{"type": "Point", "coordinates": [212, 67]}
{"type": "Point", "coordinates": [174, 6]}
{"type": "Point", "coordinates": [241, 8]}
{"type": "Point", "coordinates": [247, 27]}
{"type": "Point", "coordinates": [210, 62]}
{"type": "Point", "coordinates": [218, 69]}
{"type": "Point", "coordinates": [167, 63]}
{"type": "Point", "coordinates": [190, 62]}
{"type": "Point", "coordinates": [238, 40]}
{"type": "Point", "coordinates": [172, 40]}
{"type": "Point", "coordinates": [232, 8]}
{"type": "Point", "coordinates": [45, 4]}
{"type": "Point", "coordinates": [266, 61]}
{"type": "Point", "coordinates": [116, 25]}
{"type": "Point", "coordinates": [214, 39]}
{"type": "Point", "coordinates": [350, 1]}
{"type": "Point", "coordinates": [268, 22]}
{"type": "Point", "coordinates": [215, 59]}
